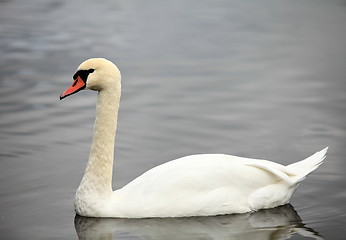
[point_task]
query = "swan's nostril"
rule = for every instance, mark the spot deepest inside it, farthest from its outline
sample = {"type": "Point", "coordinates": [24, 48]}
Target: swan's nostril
{"type": "Point", "coordinates": [75, 82]}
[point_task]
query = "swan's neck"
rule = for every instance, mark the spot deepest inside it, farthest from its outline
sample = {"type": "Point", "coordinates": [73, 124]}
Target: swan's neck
{"type": "Point", "coordinates": [98, 174]}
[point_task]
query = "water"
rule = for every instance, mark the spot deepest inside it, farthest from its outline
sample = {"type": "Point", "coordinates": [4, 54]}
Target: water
{"type": "Point", "coordinates": [262, 79]}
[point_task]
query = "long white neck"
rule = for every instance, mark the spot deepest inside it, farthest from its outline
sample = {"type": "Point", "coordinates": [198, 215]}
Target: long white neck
{"type": "Point", "coordinates": [98, 174]}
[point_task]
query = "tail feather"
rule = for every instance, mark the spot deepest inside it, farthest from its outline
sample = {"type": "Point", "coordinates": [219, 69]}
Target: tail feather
{"type": "Point", "coordinates": [306, 166]}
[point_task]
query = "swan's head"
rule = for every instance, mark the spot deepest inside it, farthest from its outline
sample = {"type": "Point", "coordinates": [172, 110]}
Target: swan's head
{"type": "Point", "coordinates": [94, 74]}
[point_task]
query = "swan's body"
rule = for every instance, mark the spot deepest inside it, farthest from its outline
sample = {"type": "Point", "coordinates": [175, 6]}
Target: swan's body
{"type": "Point", "coordinates": [197, 185]}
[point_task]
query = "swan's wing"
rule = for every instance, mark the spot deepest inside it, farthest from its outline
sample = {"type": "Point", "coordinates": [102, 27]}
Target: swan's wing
{"type": "Point", "coordinates": [205, 171]}
{"type": "Point", "coordinates": [210, 183]}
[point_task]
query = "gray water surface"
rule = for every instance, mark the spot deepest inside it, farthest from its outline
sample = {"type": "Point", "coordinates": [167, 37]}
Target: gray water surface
{"type": "Point", "coordinates": [263, 79]}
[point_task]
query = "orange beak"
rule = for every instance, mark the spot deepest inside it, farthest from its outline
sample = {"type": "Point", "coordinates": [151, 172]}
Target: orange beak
{"type": "Point", "coordinates": [77, 85]}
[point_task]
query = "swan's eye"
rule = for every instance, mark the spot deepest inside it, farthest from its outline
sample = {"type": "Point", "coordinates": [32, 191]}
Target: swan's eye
{"type": "Point", "coordinates": [83, 74]}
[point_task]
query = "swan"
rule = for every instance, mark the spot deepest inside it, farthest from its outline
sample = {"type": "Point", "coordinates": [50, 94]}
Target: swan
{"type": "Point", "coordinates": [195, 185]}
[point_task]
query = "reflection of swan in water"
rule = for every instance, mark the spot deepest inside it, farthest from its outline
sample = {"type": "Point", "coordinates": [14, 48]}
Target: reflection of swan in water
{"type": "Point", "coordinates": [270, 224]}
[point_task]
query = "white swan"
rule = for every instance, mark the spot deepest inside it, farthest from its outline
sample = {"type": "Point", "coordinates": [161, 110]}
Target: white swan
{"type": "Point", "coordinates": [197, 185]}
